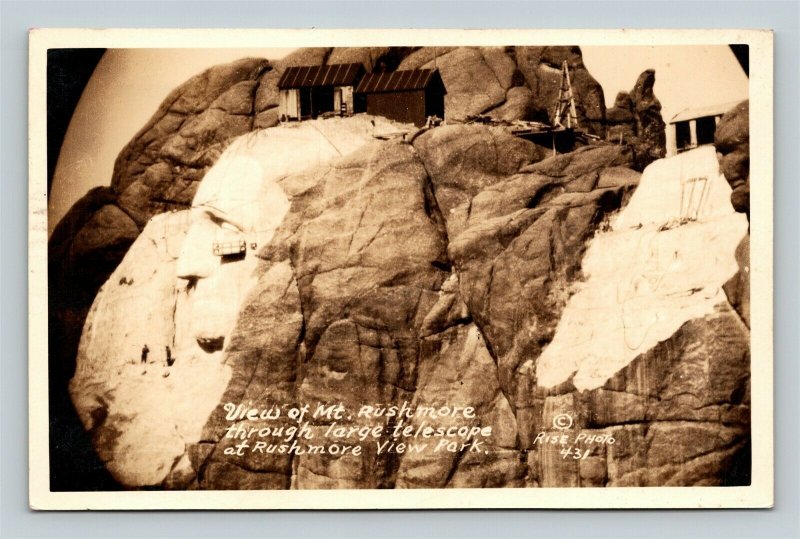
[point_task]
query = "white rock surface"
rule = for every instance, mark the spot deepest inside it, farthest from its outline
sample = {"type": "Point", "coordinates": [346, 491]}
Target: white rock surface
{"type": "Point", "coordinates": [662, 263]}
{"type": "Point", "coordinates": [171, 290]}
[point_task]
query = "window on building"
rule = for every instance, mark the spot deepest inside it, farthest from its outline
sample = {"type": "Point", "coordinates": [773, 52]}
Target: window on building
{"type": "Point", "coordinates": [683, 137]}
{"type": "Point", "coordinates": [705, 130]}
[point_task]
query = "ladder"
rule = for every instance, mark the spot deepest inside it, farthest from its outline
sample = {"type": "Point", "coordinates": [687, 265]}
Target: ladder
{"type": "Point", "coordinates": [565, 115]}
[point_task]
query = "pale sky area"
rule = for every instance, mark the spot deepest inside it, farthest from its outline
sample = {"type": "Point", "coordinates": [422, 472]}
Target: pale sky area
{"type": "Point", "coordinates": [128, 85]}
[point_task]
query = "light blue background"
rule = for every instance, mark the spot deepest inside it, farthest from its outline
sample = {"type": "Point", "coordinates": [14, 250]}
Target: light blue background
{"type": "Point", "coordinates": [16, 17]}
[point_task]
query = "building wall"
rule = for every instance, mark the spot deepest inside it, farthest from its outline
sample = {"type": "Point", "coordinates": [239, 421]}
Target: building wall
{"type": "Point", "coordinates": [289, 104]}
{"type": "Point", "coordinates": [690, 134]}
{"type": "Point", "coordinates": [307, 102]}
{"type": "Point", "coordinates": [405, 107]}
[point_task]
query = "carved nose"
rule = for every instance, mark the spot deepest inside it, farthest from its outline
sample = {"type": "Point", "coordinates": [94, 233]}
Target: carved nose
{"type": "Point", "coordinates": [197, 260]}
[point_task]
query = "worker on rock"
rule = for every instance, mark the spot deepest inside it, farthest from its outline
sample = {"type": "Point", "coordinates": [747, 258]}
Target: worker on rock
{"type": "Point", "coordinates": [145, 351]}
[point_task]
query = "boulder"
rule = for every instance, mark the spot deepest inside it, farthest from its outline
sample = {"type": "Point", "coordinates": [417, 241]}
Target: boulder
{"type": "Point", "coordinates": [372, 58]}
{"type": "Point", "coordinates": [541, 68]}
{"type": "Point", "coordinates": [463, 161]}
{"type": "Point", "coordinates": [461, 69]}
{"type": "Point", "coordinates": [502, 65]}
{"type": "Point", "coordinates": [159, 169]}
{"type": "Point", "coordinates": [620, 120]}
{"type": "Point", "coordinates": [635, 119]}
{"type": "Point", "coordinates": [652, 142]}
{"type": "Point", "coordinates": [732, 140]}
{"type": "Point", "coordinates": [423, 56]}
{"type": "Point", "coordinates": [518, 105]}
{"type": "Point", "coordinates": [109, 228]}
{"type": "Point", "coordinates": [307, 56]}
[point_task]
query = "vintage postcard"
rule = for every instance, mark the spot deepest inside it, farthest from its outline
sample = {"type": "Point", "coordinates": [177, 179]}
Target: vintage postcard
{"type": "Point", "coordinates": [400, 269]}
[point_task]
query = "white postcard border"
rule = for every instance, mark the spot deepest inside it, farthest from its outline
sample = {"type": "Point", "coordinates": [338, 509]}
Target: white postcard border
{"type": "Point", "coordinates": [758, 494]}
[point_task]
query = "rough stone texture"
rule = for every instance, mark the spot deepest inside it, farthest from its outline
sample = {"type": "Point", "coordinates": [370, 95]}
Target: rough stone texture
{"type": "Point", "coordinates": [541, 67]}
{"type": "Point", "coordinates": [650, 126]}
{"type": "Point", "coordinates": [518, 105]}
{"type": "Point", "coordinates": [472, 85]}
{"type": "Point", "coordinates": [372, 58]}
{"type": "Point", "coordinates": [522, 247]}
{"type": "Point", "coordinates": [157, 171]}
{"type": "Point", "coordinates": [170, 275]}
{"type": "Point", "coordinates": [621, 119]}
{"type": "Point", "coordinates": [618, 177]}
{"type": "Point", "coordinates": [436, 274]}
{"type": "Point", "coordinates": [423, 56]}
{"type": "Point", "coordinates": [679, 414]}
{"type": "Point", "coordinates": [466, 275]}
{"type": "Point", "coordinates": [463, 161]}
{"type": "Point", "coordinates": [366, 262]}
{"type": "Point", "coordinates": [503, 66]}
{"type": "Point", "coordinates": [635, 119]}
{"type": "Point", "coordinates": [732, 140]}
{"type": "Point", "coordinates": [305, 57]}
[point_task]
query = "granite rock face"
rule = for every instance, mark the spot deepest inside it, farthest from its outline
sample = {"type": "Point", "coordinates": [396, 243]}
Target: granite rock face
{"type": "Point", "coordinates": [486, 226]}
{"type": "Point", "coordinates": [157, 171]}
{"type": "Point", "coordinates": [447, 272]}
{"type": "Point", "coordinates": [541, 68]}
{"type": "Point", "coordinates": [648, 350]}
{"type": "Point", "coordinates": [732, 141]}
{"type": "Point", "coordinates": [161, 166]}
{"type": "Point", "coordinates": [173, 295]}
{"type": "Point", "coordinates": [635, 119]}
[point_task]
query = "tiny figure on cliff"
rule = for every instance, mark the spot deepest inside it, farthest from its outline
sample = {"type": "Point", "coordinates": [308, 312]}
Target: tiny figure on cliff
{"type": "Point", "coordinates": [170, 359]}
{"type": "Point", "coordinates": [145, 351]}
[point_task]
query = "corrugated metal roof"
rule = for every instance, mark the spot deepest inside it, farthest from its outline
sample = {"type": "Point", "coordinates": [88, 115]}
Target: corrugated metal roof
{"type": "Point", "coordinates": [694, 113]}
{"type": "Point", "coordinates": [322, 75]}
{"type": "Point", "coordinates": [395, 81]}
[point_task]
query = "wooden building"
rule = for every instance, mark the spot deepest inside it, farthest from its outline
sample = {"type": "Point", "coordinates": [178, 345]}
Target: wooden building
{"type": "Point", "coordinates": [695, 127]}
{"type": "Point", "coordinates": [309, 91]}
{"type": "Point", "coordinates": [408, 96]}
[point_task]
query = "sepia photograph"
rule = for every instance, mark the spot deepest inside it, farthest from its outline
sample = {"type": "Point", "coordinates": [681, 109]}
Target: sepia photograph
{"type": "Point", "coordinates": [428, 268]}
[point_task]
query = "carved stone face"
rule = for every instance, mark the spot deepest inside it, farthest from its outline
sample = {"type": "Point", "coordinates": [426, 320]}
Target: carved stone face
{"type": "Point", "coordinates": [235, 212]}
{"type": "Point", "coordinates": [181, 285]}
{"type": "Point", "coordinates": [240, 203]}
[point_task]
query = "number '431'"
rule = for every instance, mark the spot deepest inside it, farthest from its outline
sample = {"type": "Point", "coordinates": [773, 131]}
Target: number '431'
{"type": "Point", "coordinates": [575, 453]}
